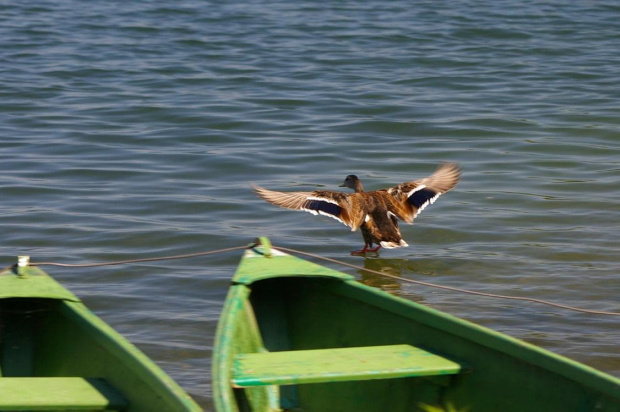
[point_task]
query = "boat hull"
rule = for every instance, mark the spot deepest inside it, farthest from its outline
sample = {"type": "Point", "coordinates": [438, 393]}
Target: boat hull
{"type": "Point", "coordinates": [50, 339]}
{"type": "Point", "coordinates": [286, 310]}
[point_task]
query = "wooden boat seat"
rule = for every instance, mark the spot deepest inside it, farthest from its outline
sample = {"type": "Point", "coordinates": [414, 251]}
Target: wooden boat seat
{"type": "Point", "coordinates": [335, 365]}
{"type": "Point", "coordinates": [36, 394]}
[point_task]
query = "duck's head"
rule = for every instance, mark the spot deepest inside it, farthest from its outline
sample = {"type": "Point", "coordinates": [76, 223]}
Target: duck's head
{"type": "Point", "coordinates": [352, 182]}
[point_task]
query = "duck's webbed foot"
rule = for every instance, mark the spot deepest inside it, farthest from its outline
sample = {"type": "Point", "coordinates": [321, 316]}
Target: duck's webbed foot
{"type": "Point", "coordinates": [365, 249]}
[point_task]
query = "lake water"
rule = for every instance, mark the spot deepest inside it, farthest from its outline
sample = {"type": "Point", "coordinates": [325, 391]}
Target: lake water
{"type": "Point", "coordinates": [134, 129]}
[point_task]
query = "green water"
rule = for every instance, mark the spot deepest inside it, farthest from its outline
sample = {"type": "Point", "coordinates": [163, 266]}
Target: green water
{"type": "Point", "coordinates": [134, 129]}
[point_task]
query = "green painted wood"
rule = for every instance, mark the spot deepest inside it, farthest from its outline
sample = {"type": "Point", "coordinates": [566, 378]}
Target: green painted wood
{"type": "Point", "coordinates": [298, 307]}
{"type": "Point", "coordinates": [238, 332]}
{"type": "Point", "coordinates": [39, 394]}
{"type": "Point", "coordinates": [336, 365]}
{"type": "Point", "coordinates": [52, 334]}
{"type": "Point", "coordinates": [32, 283]}
{"type": "Point", "coordinates": [490, 341]}
{"type": "Point", "coordinates": [144, 383]}
{"type": "Point", "coordinates": [256, 266]}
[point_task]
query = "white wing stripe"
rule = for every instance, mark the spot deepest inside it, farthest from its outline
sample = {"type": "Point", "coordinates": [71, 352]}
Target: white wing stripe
{"type": "Point", "coordinates": [320, 212]}
{"type": "Point", "coordinates": [428, 202]}
{"type": "Point", "coordinates": [323, 199]}
{"type": "Point", "coordinates": [415, 190]}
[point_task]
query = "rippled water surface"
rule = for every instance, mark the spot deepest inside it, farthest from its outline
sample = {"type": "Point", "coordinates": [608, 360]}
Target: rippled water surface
{"type": "Point", "coordinates": [134, 129]}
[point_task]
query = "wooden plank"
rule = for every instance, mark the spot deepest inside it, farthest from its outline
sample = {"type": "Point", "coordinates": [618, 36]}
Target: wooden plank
{"type": "Point", "coordinates": [34, 394]}
{"type": "Point", "coordinates": [335, 365]}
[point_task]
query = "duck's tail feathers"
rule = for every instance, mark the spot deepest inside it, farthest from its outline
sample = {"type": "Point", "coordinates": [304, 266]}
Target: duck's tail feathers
{"type": "Point", "coordinates": [392, 245]}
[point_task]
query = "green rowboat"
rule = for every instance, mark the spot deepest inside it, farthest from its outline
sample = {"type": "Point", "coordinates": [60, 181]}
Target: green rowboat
{"type": "Point", "coordinates": [296, 336]}
{"type": "Point", "coordinates": [55, 354]}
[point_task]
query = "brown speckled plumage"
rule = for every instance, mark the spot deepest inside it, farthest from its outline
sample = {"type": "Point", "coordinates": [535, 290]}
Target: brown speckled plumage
{"type": "Point", "coordinates": [376, 213]}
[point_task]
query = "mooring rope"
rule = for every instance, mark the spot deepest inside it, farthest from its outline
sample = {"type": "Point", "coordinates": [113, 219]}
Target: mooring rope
{"type": "Point", "coordinates": [141, 260]}
{"type": "Point", "coordinates": [319, 257]}
{"type": "Point", "coordinates": [451, 288]}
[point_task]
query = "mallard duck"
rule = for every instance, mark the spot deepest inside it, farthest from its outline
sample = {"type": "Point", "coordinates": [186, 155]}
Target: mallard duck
{"type": "Point", "coordinates": [376, 212]}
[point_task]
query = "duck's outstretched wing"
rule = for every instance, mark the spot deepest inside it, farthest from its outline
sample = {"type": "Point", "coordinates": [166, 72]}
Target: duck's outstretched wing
{"type": "Point", "coordinates": [410, 198]}
{"type": "Point", "coordinates": [337, 205]}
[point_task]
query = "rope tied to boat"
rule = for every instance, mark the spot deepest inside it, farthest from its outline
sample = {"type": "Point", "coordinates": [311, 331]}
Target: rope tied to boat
{"type": "Point", "coordinates": [452, 288]}
{"type": "Point", "coordinates": [267, 247]}
{"type": "Point", "coordinates": [141, 260]}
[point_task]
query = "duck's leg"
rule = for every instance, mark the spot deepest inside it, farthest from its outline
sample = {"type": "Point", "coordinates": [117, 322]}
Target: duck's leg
{"type": "Point", "coordinates": [368, 241]}
{"type": "Point", "coordinates": [366, 248]}
{"type": "Point", "coordinates": [374, 249]}
{"type": "Point", "coordinates": [360, 252]}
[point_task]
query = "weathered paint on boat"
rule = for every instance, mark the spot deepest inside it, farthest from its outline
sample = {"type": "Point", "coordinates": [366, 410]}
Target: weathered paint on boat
{"type": "Point", "coordinates": [55, 354]}
{"type": "Point", "coordinates": [287, 320]}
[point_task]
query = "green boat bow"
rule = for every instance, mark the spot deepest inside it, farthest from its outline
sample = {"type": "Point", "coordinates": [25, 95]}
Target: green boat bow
{"type": "Point", "coordinates": [55, 354]}
{"type": "Point", "coordinates": [296, 336]}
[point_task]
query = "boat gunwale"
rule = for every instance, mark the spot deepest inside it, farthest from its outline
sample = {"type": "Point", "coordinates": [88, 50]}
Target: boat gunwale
{"type": "Point", "coordinates": [32, 282]}
{"type": "Point", "coordinates": [222, 350]}
{"type": "Point", "coordinates": [123, 350]}
{"type": "Point", "coordinates": [501, 342]}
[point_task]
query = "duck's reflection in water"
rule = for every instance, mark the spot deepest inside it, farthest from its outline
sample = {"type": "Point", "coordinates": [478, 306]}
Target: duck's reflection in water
{"type": "Point", "coordinates": [401, 268]}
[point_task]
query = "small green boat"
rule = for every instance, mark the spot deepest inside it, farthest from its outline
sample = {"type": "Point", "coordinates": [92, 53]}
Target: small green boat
{"type": "Point", "coordinates": [297, 336]}
{"type": "Point", "coordinates": [55, 354]}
